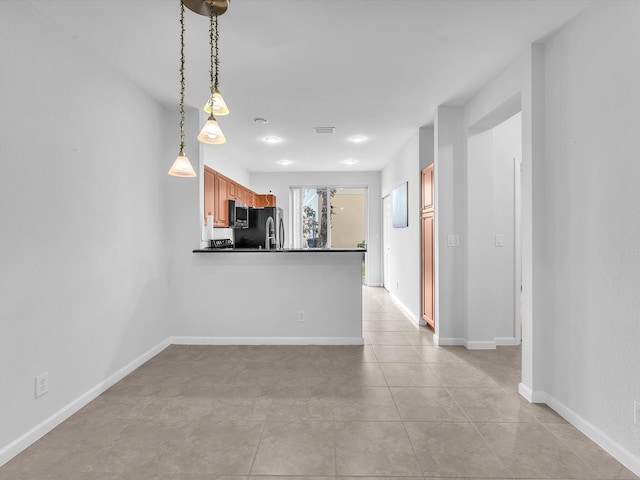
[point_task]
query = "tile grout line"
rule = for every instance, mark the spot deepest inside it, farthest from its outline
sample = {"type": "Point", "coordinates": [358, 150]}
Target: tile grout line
{"type": "Point", "coordinates": [255, 454]}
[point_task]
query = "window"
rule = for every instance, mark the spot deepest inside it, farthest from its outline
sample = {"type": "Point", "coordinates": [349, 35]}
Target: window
{"type": "Point", "coordinates": [329, 217]}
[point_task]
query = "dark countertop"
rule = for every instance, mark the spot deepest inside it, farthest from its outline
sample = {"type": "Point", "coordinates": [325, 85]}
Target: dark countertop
{"type": "Point", "coordinates": [284, 250]}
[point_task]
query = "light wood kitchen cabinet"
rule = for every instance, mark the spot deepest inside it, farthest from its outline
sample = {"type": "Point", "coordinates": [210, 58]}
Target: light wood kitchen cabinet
{"type": "Point", "coordinates": [251, 198]}
{"type": "Point", "coordinates": [218, 190]}
{"type": "Point", "coordinates": [265, 200]}
{"type": "Point", "coordinates": [241, 193]}
{"type": "Point", "coordinates": [232, 190]}
{"type": "Point", "coordinates": [222, 202]}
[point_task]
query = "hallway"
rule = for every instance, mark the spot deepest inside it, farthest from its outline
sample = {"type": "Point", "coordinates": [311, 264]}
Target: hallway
{"type": "Point", "coordinates": [396, 407]}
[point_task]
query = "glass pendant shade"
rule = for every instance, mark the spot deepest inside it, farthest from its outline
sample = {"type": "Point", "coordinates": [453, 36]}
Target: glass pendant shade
{"type": "Point", "coordinates": [211, 133]}
{"type": "Point", "coordinates": [182, 167]}
{"type": "Point", "coordinates": [219, 105]}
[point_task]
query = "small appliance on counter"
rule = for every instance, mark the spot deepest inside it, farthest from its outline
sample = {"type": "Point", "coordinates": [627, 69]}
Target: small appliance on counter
{"type": "Point", "coordinates": [266, 229]}
{"type": "Point", "coordinates": [221, 243]}
{"type": "Point", "coordinates": [238, 214]}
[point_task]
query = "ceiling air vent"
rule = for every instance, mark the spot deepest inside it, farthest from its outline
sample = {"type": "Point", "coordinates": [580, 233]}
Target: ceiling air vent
{"type": "Point", "coordinates": [324, 129]}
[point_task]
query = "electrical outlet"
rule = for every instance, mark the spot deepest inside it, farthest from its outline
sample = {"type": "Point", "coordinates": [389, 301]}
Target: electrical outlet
{"type": "Point", "coordinates": [301, 316]}
{"type": "Point", "coordinates": [636, 417]}
{"type": "Point", "coordinates": [42, 384]}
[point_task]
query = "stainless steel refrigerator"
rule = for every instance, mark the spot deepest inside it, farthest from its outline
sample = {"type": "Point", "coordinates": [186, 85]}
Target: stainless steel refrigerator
{"type": "Point", "coordinates": [266, 229]}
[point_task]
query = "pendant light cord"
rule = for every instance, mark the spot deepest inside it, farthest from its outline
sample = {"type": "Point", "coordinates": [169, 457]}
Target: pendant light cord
{"type": "Point", "coordinates": [213, 45]}
{"type": "Point", "coordinates": [181, 76]}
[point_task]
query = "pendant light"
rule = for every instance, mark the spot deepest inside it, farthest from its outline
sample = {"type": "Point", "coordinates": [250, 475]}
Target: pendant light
{"type": "Point", "coordinates": [211, 133]}
{"type": "Point", "coordinates": [216, 103]}
{"type": "Point", "coordinates": [182, 166]}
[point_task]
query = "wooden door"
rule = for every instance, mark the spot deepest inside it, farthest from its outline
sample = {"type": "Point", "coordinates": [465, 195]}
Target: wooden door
{"type": "Point", "coordinates": [427, 188]}
{"type": "Point", "coordinates": [427, 244]}
{"type": "Point", "coordinates": [427, 269]}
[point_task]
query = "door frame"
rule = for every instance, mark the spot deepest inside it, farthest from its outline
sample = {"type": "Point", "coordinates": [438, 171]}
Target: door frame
{"type": "Point", "coordinates": [517, 281]}
{"type": "Point", "coordinates": [386, 250]}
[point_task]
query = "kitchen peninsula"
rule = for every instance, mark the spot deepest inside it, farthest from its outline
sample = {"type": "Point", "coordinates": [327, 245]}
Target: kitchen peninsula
{"type": "Point", "coordinates": [271, 297]}
{"type": "Point", "coordinates": [267, 295]}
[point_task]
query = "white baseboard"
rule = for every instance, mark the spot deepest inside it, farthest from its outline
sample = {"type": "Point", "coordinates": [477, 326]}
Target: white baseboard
{"type": "Point", "coordinates": [525, 392]}
{"type": "Point", "coordinates": [455, 341]}
{"type": "Point", "coordinates": [626, 457]}
{"type": "Point", "coordinates": [475, 345]}
{"type": "Point", "coordinates": [14, 448]}
{"type": "Point", "coordinates": [449, 341]}
{"type": "Point", "coordinates": [617, 451]}
{"type": "Point", "coordinates": [406, 310]}
{"type": "Point", "coordinates": [480, 345]}
{"type": "Point", "coordinates": [374, 284]}
{"type": "Point", "coordinates": [266, 340]}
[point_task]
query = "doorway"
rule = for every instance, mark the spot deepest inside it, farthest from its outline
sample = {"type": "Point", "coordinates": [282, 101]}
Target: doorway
{"type": "Point", "coordinates": [386, 248]}
{"type": "Point", "coordinates": [493, 233]}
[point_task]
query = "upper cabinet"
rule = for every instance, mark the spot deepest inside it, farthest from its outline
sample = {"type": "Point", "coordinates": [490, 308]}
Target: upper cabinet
{"type": "Point", "coordinates": [209, 192]}
{"type": "Point", "coordinates": [231, 190]}
{"type": "Point", "coordinates": [221, 217]}
{"type": "Point", "coordinates": [218, 190]}
{"type": "Point", "coordinates": [265, 200]}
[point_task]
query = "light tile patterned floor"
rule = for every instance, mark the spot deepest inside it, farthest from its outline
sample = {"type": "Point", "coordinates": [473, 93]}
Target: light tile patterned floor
{"type": "Point", "coordinates": [397, 407]}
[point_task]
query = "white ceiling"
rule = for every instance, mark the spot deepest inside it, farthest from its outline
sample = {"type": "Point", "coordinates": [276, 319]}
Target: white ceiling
{"type": "Point", "coordinates": [367, 67]}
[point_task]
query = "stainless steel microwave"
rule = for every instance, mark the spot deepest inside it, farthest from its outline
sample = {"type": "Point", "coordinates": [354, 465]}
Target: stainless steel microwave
{"type": "Point", "coordinates": [238, 214]}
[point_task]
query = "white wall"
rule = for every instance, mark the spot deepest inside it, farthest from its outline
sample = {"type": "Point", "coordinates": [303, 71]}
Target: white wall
{"type": "Point", "coordinates": [84, 274]}
{"type": "Point", "coordinates": [580, 201]}
{"type": "Point", "coordinates": [592, 369]}
{"type": "Point", "coordinates": [426, 146]}
{"type": "Point", "coordinates": [404, 254]}
{"type": "Point", "coordinates": [450, 179]}
{"type": "Point", "coordinates": [248, 297]}
{"type": "Point", "coordinates": [219, 158]}
{"type": "Point", "coordinates": [280, 183]}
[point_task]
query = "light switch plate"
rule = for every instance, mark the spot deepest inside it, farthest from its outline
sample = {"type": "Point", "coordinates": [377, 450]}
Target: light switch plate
{"type": "Point", "coordinates": [453, 240]}
{"type": "Point", "coordinates": [499, 240]}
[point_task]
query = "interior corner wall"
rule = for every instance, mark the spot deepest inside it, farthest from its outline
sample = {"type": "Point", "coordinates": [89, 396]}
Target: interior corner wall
{"type": "Point", "coordinates": [84, 272]}
{"type": "Point", "coordinates": [404, 243]}
{"type": "Point", "coordinates": [450, 168]}
{"type": "Point", "coordinates": [592, 167]}
{"type": "Point", "coordinates": [426, 147]}
{"type": "Point", "coordinates": [220, 157]}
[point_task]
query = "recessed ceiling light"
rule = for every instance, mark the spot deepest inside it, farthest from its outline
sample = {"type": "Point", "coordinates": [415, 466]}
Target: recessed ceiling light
{"type": "Point", "coordinates": [261, 120]}
{"type": "Point", "coordinates": [358, 139]}
{"type": "Point", "coordinates": [272, 139]}
{"type": "Point", "coordinates": [284, 163]}
{"type": "Point", "coordinates": [350, 161]}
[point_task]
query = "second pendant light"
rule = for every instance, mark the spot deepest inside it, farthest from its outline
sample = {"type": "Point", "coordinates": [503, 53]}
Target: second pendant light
{"type": "Point", "coordinates": [211, 132]}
